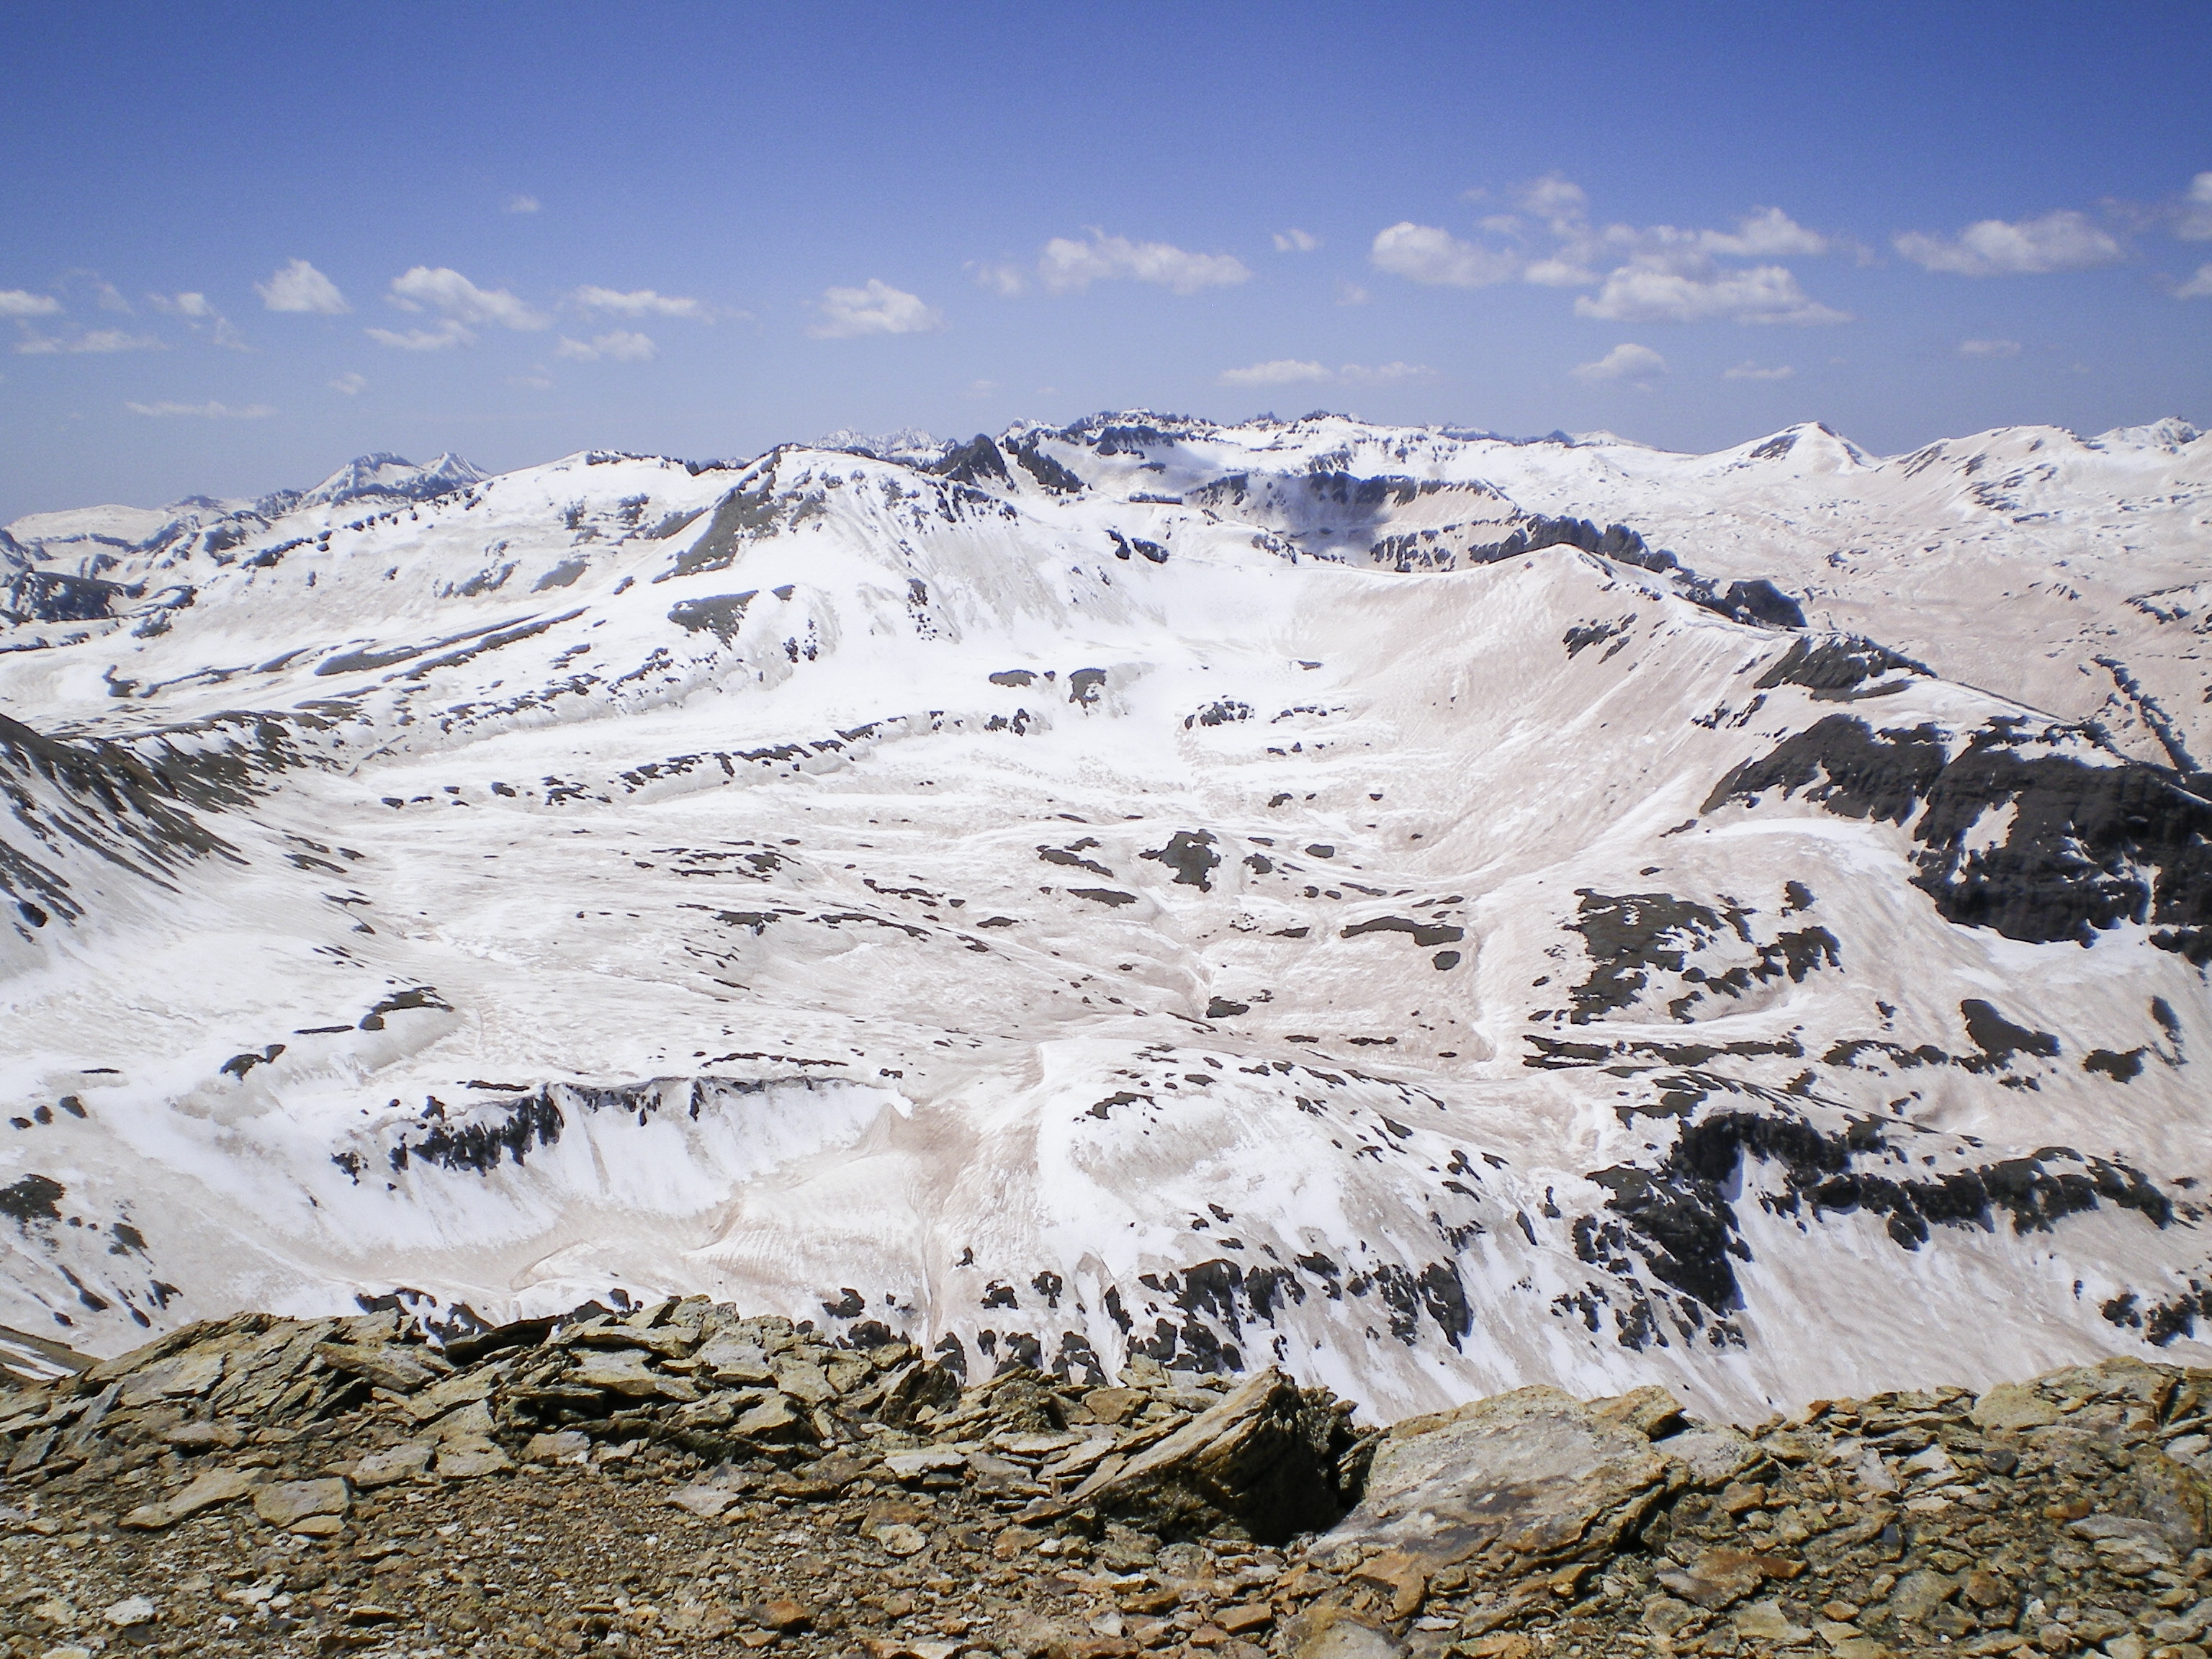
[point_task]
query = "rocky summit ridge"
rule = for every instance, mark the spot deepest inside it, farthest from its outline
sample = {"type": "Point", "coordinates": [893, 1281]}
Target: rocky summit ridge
{"type": "Point", "coordinates": [684, 1480]}
{"type": "Point", "coordinates": [1425, 913]}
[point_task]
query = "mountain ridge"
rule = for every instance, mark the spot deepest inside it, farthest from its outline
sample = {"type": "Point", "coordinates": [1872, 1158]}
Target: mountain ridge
{"type": "Point", "coordinates": [1032, 888]}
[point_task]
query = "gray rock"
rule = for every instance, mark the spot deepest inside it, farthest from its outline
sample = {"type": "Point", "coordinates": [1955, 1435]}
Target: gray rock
{"type": "Point", "coordinates": [563, 1446]}
{"type": "Point", "coordinates": [1261, 1458]}
{"type": "Point", "coordinates": [773, 1419]}
{"type": "Point", "coordinates": [385, 1364]}
{"type": "Point", "coordinates": [2174, 1497]}
{"type": "Point", "coordinates": [626, 1371]}
{"type": "Point", "coordinates": [1337, 1634]}
{"type": "Point", "coordinates": [1920, 1593]}
{"type": "Point", "coordinates": [132, 1611]}
{"type": "Point", "coordinates": [1713, 1455]}
{"type": "Point", "coordinates": [469, 1459]}
{"type": "Point", "coordinates": [393, 1465]}
{"type": "Point", "coordinates": [1535, 1471]}
{"type": "Point", "coordinates": [2012, 1405]}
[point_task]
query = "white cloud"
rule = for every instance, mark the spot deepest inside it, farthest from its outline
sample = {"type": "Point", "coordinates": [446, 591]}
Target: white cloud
{"type": "Point", "coordinates": [1283, 371]}
{"type": "Point", "coordinates": [445, 336]}
{"type": "Point", "coordinates": [1625, 362]}
{"type": "Point", "coordinates": [15, 303]}
{"type": "Point", "coordinates": [1385, 374]}
{"type": "Point", "coordinates": [620, 347]}
{"type": "Point", "coordinates": [1068, 266]}
{"type": "Point", "coordinates": [201, 316]}
{"type": "Point", "coordinates": [443, 289]}
{"type": "Point", "coordinates": [1753, 372]}
{"type": "Point", "coordinates": [2198, 287]}
{"type": "Point", "coordinates": [1989, 347]}
{"type": "Point", "coordinates": [111, 297]}
{"type": "Point", "coordinates": [642, 302]}
{"type": "Point", "coordinates": [878, 309]}
{"type": "Point", "coordinates": [1645, 291]}
{"type": "Point", "coordinates": [350, 383]}
{"type": "Point", "coordinates": [521, 204]}
{"type": "Point", "coordinates": [1007, 281]}
{"type": "Point", "coordinates": [181, 305]}
{"type": "Point", "coordinates": [2194, 222]}
{"type": "Point", "coordinates": [1296, 242]}
{"type": "Point", "coordinates": [1351, 294]}
{"type": "Point", "coordinates": [538, 379]}
{"type": "Point", "coordinates": [208, 411]}
{"type": "Point", "coordinates": [1291, 370]}
{"type": "Point", "coordinates": [100, 340]}
{"type": "Point", "coordinates": [1557, 273]}
{"type": "Point", "coordinates": [980, 389]}
{"type": "Point", "coordinates": [1425, 253]}
{"type": "Point", "coordinates": [1763, 234]}
{"type": "Point", "coordinates": [1992, 247]}
{"type": "Point", "coordinates": [1555, 198]}
{"type": "Point", "coordinates": [299, 287]}
{"type": "Point", "coordinates": [1655, 273]}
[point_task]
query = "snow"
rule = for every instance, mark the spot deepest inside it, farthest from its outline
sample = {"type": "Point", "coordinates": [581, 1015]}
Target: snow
{"type": "Point", "coordinates": [815, 872]}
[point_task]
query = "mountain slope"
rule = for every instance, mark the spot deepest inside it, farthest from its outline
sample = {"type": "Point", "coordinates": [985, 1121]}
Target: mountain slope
{"type": "Point", "coordinates": [1436, 912]}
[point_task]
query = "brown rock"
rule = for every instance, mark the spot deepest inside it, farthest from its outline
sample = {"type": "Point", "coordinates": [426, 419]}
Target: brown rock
{"type": "Point", "coordinates": [1243, 1618]}
{"type": "Point", "coordinates": [1719, 1578]}
{"type": "Point", "coordinates": [1402, 1578]}
{"type": "Point", "coordinates": [284, 1504]}
{"type": "Point", "coordinates": [784, 1613]}
{"type": "Point", "coordinates": [1651, 1411]}
{"type": "Point", "coordinates": [215, 1487]}
{"type": "Point", "coordinates": [1113, 1405]}
{"type": "Point", "coordinates": [1981, 1587]}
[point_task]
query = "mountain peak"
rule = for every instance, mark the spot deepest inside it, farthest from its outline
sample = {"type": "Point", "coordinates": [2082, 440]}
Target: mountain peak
{"type": "Point", "coordinates": [383, 473]}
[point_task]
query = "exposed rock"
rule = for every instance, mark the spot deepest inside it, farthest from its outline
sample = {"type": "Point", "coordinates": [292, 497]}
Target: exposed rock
{"type": "Point", "coordinates": [2060, 1515]}
{"type": "Point", "coordinates": [284, 1503]}
{"type": "Point", "coordinates": [1265, 1459]}
{"type": "Point", "coordinates": [216, 1487]}
{"type": "Point", "coordinates": [1528, 1479]}
{"type": "Point", "coordinates": [1334, 1633]}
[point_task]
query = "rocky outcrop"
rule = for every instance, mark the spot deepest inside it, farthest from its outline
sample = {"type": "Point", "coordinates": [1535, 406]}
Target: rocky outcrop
{"type": "Point", "coordinates": [675, 1479]}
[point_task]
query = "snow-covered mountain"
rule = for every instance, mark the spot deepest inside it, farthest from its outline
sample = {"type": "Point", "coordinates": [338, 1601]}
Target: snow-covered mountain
{"type": "Point", "coordinates": [1437, 911]}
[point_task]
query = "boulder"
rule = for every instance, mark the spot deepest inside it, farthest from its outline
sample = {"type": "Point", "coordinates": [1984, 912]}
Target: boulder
{"type": "Point", "coordinates": [1264, 1460]}
{"type": "Point", "coordinates": [1528, 1480]}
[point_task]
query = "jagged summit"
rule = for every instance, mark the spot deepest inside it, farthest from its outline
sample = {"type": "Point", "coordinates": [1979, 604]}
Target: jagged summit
{"type": "Point", "coordinates": [1430, 911]}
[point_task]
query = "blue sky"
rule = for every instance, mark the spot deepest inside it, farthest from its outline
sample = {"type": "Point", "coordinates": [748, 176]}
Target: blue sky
{"type": "Point", "coordinates": [242, 244]}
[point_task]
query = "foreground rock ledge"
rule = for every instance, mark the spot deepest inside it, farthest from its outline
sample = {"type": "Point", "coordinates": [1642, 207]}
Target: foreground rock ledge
{"type": "Point", "coordinates": [681, 1479]}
